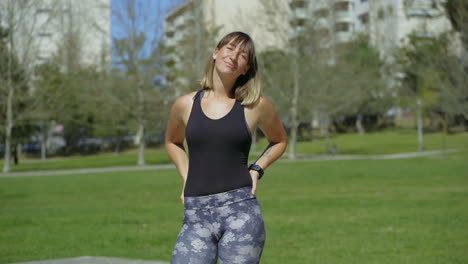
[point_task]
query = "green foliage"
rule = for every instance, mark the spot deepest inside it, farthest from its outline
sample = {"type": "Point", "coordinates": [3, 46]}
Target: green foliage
{"type": "Point", "coordinates": [432, 72]}
{"type": "Point", "coordinates": [344, 79]}
{"type": "Point", "coordinates": [277, 78]}
{"type": "Point", "coordinates": [457, 11]}
{"type": "Point", "coordinates": [360, 75]}
{"type": "Point", "coordinates": [13, 76]}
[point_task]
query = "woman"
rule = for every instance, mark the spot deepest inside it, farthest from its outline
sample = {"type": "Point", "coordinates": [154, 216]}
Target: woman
{"type": "Point", "coordinates": [222, 218]}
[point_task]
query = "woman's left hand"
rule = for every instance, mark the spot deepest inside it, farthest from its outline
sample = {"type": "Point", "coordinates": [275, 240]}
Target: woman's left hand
{"type": "Point", "coordinates": [254, 175]}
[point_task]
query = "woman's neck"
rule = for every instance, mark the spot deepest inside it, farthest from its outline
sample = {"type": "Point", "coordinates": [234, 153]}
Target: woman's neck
{"type": "Point", "coordinates": [222, 85]}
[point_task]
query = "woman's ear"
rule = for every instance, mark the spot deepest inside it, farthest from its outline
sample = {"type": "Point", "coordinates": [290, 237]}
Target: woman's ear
{"type": "Point", "coordinates": [215, 52]}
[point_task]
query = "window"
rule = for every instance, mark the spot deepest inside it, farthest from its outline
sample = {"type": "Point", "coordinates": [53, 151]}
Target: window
{"type": "Point", "coordinates": [43, 10]}
{"type": "Point", "coordinates": [42, 58]}
{"type": "Point", "coordinates": [364, 18]}
{"type": "Point", "coordinates": [390, 10]}
{"type": "Point", "coordinates": [342, 6]}
{"type": "Point", "coordinates": [44, 34]}
{"type": "Point", "coordinates": [381, 13]}
{"type": "Point", "coordinates": [322, 13]}
{"type": "Point", "coordinates": [169, 34]}
{"type": "Point", "coordinates": [298, 4]}
{"type": "Point", "coordinates": [420, 13]}
{"type": "Point", "coordinates": [342, 27]}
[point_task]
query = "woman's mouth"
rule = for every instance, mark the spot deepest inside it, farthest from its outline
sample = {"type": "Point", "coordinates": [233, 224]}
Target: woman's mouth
{"type": "Point", "coordinates": [230, 65]}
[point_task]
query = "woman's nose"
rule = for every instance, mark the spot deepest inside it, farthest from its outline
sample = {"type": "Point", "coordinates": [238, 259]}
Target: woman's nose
{"type": "Point", "coordinates": [234, 55]}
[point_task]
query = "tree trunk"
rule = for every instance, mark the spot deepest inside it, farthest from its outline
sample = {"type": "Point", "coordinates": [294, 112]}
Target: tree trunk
{"type": "Point", "coordinates": [15, 154]}
{"type": "Point", "coordinates": [420, 125]}
{"type": "Point", "coordinates": [117, 145]}
{"type": "Point", "coordinates": [294, 119]}
{"type": "Point", "coordinates": [45, 137]}
{"type": "Point", "coordinates": [8, 127]}
{"type": "Point", "coordinates": [141, 145]}
{"type": "Point", "coordinates": [141, 126]}
{"type": "Point", "coordinates": [327, 142]}
{"type": "Point", "coordinates": [9, 113]}
{"type": "Point", "coordinates": [18, 153]}
{"type": "Point", "coordinates": [359, 126]}
{"type": "Point", "coordinates": [445, 131]}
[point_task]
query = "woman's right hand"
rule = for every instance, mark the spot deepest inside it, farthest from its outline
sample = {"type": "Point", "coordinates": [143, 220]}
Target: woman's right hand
{"type": "Point", "coordinates": [182, 194]}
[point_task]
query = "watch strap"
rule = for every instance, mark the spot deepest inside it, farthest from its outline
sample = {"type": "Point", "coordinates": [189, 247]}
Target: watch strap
{"type": "Point", "coordinates": [257, 168]}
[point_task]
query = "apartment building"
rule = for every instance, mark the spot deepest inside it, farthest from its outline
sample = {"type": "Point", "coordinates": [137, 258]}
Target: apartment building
{"type": "Point", "coordinates": [264, 20]}
{"type": "Point", "coordinates": [391, 21]}
{"type": "Point", "coordinates": [386, 22]}
{"type": "Point", "coordinates": [338, 21]}
{"type": "Point", "coordinates": [227, 16]}
{"type": "Point", "coordinates": [43, 27]}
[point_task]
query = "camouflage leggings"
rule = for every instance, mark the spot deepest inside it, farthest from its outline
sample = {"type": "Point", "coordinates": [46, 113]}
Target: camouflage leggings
{"type": "Point", "coordinates": [227, 225]}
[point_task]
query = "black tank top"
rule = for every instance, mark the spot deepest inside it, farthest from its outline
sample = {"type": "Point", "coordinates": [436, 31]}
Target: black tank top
{"type": "Point", "coordinates": [218, 150]}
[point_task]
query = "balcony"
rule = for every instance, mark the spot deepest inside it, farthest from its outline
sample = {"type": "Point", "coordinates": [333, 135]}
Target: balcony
{"type": "Point", "coordinates": [169, 27]}
{"type": "Point", "coordinates": [322, 12]}
{"type": "Point", "coordinates": [321, 23]}
{"type": "Point", "coordinates": [170, 41]}
{"type": "Point", "coordinates": [300, 13]}
{"type": "Point", "coordinates": [343, 36]}
{"type": "Point", "coordinates": [298, 17]}
{"type": "Point", "coordinates": [320, 5]}
{"type": "Point", "coordinates": [343, 16]}
{"type": "Point", "coordinates": [296, 31]}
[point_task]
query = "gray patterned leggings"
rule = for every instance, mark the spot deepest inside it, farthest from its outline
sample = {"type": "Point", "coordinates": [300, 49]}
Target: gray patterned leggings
{"type": "Point", "coordinates": [227, 225]}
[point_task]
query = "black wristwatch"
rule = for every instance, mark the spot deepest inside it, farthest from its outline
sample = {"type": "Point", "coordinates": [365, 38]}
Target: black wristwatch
{"type": "Point", "coordinates": [257, 168]}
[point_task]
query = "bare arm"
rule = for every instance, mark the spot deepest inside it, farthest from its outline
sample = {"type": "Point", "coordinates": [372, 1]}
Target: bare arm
{"type": "Point", "coordinates": [175, 135]}
{"type": "Point", "coordinates": [273, 129]}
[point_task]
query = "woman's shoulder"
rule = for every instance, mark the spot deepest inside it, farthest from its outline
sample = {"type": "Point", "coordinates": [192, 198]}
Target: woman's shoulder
{"type": "Point", "coordinates": [262, 104]}
{"type": "Point", "coordinates": [185, 100]}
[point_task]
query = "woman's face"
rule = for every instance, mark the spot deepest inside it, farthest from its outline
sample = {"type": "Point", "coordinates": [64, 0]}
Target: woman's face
{"type": "Point", "coordinates": [232, 58]}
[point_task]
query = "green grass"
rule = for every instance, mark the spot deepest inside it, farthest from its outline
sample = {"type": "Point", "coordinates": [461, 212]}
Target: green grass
{"type": "Point", "coordinates": [378, 211]}
{"type": "Point", "coordinates": [129, 158]}
{"type": "Point", "coordinates": [372, 143]}
{"type": "Point", "coordinates": [388, 142]}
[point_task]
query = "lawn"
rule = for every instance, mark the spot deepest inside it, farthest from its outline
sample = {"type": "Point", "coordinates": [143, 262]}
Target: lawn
{"type": "Point", "coordinates": [386, 142]}
{"type": "Point", "coordinates": [389, 142]}
{"type": "Point", "coordinates": [362, 211]}
{"type": "Point", "coordinates": [128, 158]}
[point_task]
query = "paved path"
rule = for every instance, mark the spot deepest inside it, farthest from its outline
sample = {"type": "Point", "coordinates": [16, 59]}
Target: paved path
{"type": "Point", "coordinates": [300, 158]}
{"type": "Point", "coordinates": [409, 155]}
{"type": "Point", "coordinates": [93, 260]}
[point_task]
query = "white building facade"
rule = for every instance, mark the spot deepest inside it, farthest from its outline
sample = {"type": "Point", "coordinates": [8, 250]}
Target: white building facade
{"type": "Point", "coordinates": [42, 27]}
{"type": "Point", "coordinates": [184, 24]}
{"type": "Point", "coordinates": [391, 21]}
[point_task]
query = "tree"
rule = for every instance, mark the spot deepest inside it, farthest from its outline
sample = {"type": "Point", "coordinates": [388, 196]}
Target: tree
{"type": "Point", "coordinates": [362, 69]}
{"type": "Point", "coordinates": [12, 79]}
{"type": "Point", "coordinates": [433, 76]}
{"type": "Point", "coordinates": [137, 52]}
{"type": "Point", "coordinates": [457, 12]}
{"type": "Point", "coordinates": [318, 77]}
{"type": "Point", "coordinates": [19, 20]}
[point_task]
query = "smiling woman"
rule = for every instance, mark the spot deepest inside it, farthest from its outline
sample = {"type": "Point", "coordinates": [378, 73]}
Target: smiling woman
{"type": "Point", "coordinates": [222, 218]}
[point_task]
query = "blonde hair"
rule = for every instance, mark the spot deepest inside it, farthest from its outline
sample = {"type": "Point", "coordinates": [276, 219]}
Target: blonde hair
{"type": "Point", "coordinates": [247, 87]}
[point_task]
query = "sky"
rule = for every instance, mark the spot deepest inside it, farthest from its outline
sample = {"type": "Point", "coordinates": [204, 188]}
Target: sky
{"type": "Point", "coordinates": [156, 9]}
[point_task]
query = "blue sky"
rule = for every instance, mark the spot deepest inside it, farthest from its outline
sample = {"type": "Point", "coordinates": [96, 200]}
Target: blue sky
{"type": "Point", "coordinates": [156, 8]}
